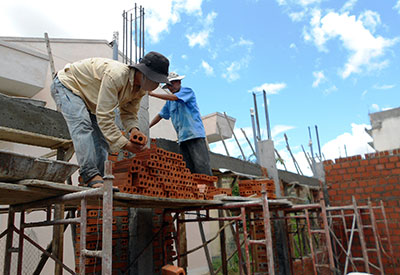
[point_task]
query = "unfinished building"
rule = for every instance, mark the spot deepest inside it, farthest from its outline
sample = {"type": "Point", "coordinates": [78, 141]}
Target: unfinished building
{"type": "Point", "coordinates": [263, 220]}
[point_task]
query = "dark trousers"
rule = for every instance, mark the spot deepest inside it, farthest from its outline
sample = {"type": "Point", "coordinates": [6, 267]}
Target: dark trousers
{"type": "Point", "coordinates": [195, 153]}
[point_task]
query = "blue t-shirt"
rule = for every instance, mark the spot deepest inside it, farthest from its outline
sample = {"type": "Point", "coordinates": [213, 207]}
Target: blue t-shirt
{"type": "Point", "coordinates": [185, 115]}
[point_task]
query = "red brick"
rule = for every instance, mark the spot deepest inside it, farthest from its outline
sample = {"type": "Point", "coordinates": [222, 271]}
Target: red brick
{"type": "Point", "coordinates": [351, 170]}
{"type": "Point", "coordinates": [383, 160]}
{"type": "Point", "coordinates": [394, 159]}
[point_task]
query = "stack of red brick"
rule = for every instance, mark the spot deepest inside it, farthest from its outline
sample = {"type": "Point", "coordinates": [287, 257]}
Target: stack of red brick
{"type": "Point", "coordinates": [159, 173]}
{"type": "Point", "coordinates": [120, 241]}
{"type": "Point", "coordinates": [253, 187]}
{"type": "Point", "coordinates": [165, 238]}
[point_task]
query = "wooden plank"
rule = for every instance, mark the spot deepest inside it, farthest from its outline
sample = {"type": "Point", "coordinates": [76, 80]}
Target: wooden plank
{"type": "Point", "coordinates": [32, 190]}
{"type": "Point", "coordinates": [29, 138]}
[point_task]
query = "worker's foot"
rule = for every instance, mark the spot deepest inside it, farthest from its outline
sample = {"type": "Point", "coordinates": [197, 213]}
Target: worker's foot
{"type": "Point", "coordinates": [95, 182]}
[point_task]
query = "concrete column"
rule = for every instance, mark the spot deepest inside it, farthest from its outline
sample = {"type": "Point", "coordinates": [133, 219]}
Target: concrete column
{"type": "Point", "coordinates": [141, 219]}
{"type": "Point", "coordinates": [267, 160]}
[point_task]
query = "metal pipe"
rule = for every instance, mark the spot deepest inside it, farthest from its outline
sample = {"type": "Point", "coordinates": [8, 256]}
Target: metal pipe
{"type": "Point", "coordinates": [254, 134]}
{"type": "Point", "coordinates": [246, 241]}
{"type": "Point", "coordinates": [248, 141]}
{"type": "Point", "coordinates": [21, 243]}
{"type": "Point", "coordinates": [319, 146]}
{"type": "Point", "coordinates": [234, 135]}
{"type": "Point", "coordinates": [126, 37]}
{"type": "Point", "coordinates": [56, 222]}
{"type": "Point", "coordinates": [267, 231]}
{"type": "Point", "coordinates": [311, 149]}
{"type": "Point", "coordinates": [136, 56]}
{"type": "Point", "coordinates": [92, 253]}
{"type": "Point", "coordinates": [82, 243]}
{"type": "Point", "coordinates": [257, 119]}
{"type": "Point", "coordinates": [222, 139]}
{"type": "Point", "coordinates": [267, 115]}
{"type": "Point", "coordinates": [106, 261]}
{"type": "Point", "coordinates": [143, 34]}
{"type": "Point", "coordinates": [44, 252]}
{"type": "Point", "coordinates": [94, 192]}
{"type": "Point", "coordinates": [140, 32]}
{"type": "Point", "coordinates": [130, 40]}
{"type": "Point", "coordinates": [123, 36]}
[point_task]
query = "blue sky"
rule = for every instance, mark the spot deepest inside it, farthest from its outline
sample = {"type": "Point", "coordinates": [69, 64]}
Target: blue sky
{"type": "Point", "coordinates": [325, 63]}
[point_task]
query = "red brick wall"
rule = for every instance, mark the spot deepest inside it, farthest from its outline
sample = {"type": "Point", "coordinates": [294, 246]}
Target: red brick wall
{"type": "Point", "coordinates": [375, 176]}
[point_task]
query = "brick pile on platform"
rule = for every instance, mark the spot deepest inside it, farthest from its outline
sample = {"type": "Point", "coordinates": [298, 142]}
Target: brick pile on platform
{"type": "Point", "coordinates": [120, 242]}
{"type": "Point", "coordinates": [253, 188]}
{"type": "Point", "coordinates": [159, 173]}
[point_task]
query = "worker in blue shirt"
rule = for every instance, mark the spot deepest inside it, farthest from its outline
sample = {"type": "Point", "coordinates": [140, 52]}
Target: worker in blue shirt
{"type": "Point", "coordinates": [181, 107]}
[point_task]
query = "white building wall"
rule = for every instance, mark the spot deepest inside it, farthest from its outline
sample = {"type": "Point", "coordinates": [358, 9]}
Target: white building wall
{"type": "Point", "coordinates": [66, 51]}
{"type": "Point", "coordinates": [385, 129]}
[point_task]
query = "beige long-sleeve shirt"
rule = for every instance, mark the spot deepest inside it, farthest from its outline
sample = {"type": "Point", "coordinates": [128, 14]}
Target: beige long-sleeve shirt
{"type": "Point", "coordinates": [105, 84]}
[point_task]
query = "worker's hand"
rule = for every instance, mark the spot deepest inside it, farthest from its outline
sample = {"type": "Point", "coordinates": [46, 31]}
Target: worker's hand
{"type": "Point", "coordinates": [137, 137]}
{"type": "Point", "coordinates": [133, 147]}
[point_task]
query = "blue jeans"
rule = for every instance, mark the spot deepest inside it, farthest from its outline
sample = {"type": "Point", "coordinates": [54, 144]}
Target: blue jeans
{"type": "Point", "coordinates": [91, 148]}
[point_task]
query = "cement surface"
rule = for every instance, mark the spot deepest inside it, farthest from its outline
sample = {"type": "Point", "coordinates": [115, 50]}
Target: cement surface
{"type": "Point", "coordinates": [24, 116]}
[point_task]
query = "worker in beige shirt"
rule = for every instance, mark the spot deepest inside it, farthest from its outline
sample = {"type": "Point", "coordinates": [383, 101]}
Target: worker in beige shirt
{"type": "Point", "coordinates": [88, 91]}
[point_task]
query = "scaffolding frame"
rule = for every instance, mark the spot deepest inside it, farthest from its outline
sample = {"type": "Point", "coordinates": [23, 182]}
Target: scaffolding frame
{"type": "Point", "coordinates": [105, 193]}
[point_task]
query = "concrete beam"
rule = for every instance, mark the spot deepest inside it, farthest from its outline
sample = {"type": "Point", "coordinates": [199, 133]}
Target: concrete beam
{"type": "Point", "coordinates": [24, 116]}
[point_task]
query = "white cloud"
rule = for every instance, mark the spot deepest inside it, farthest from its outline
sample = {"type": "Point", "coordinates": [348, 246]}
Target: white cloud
{"type": "Point", "coordinates": [297, 16]}
{"type": "Point", "coordinates": [348, 6]}
{"type": "Point", "coordinates": [278, 129]}
{"type": "Point", "coordinates": [397, 6]}
{"type": "Point", "coordinates": [364, 93]}
{"type": "Point", "coordinates": [269, 88]}
{"type": "Point", "coordinates": [329, 90]}
{"type": "Point", "coordinates": [201, 38]}
{"type": "Point", "coordinates": [184, 56]}
{"type": "Point", "coordinates": [37, 17]}
{"type": "Point", "coordinates": [356, 143]}
{"type": "Point", "coordinates": [281, 2]}
{"type": "Point", "coordinates": [375, 107]}
{"type": "Point", "coordinates": [232, 146]}
{"type": "Point", "coordinates": [245, 42]}
{"type": "Point", "coordinates": [384, 87]}
{"type": "Point", "coordinates": [292, 46]}
{"type": "Point", "coordinates": [232, 71]}
{"type": "Point", "coordinates": [308, 2]}
{"type": "Point", "coordinates": [319, 78]}
{"type": "Point", "coordinates": [365, 49]}
{"type": "Point", "coordinates": [207, 68]}
{"type": "Point", "coordinates": [370, 19]}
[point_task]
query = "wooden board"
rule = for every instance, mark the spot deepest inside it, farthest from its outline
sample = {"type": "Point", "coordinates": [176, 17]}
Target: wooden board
{"type": "Point", "coordinates": [33, 190]}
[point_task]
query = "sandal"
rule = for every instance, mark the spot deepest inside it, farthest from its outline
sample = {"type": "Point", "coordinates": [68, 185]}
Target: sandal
{"type": "Point", "coordinates": [94, 182]}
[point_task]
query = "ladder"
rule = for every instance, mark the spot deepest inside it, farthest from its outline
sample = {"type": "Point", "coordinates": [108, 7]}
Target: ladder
{"type": "Point", "coordinates": [363, 219]}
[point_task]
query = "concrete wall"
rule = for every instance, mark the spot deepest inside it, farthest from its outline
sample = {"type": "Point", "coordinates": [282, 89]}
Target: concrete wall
{"type": "Point", "coordinates": [385, 129]}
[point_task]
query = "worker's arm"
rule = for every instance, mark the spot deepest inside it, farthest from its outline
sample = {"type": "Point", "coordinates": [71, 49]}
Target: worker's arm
{"type": "Point", "coordinates": [155, 120]}
{"type": "Point", "coordinates": [171, 97]}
